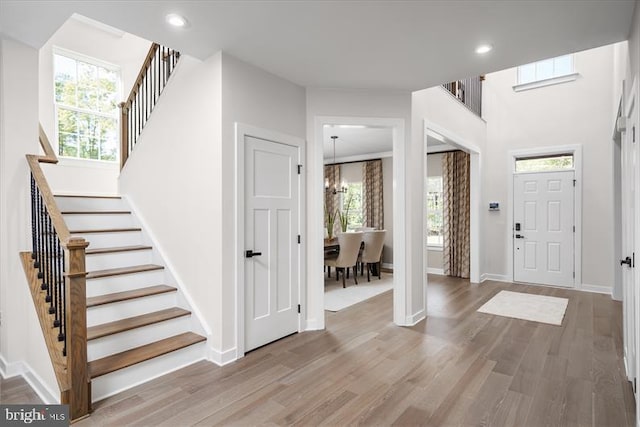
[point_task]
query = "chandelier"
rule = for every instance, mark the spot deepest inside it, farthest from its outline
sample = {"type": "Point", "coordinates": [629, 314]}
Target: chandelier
{"type": "Point", "coordinates": [343, 185]}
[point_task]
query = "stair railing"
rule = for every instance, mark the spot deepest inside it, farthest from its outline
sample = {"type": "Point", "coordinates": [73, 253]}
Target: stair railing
{"type": "Point", "coordinates": [56, 273]}
{"type": "Point", "coordinates": [468, 91]}
{"type": "Point", "coordinates": [136, 109]}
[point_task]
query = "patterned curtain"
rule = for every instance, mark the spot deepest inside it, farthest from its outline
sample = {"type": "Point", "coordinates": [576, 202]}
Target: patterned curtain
{"type": "Point", "coordinates": [332, 175]}
{"type": "Point", "coordinates": [372, 197]}
{"type": "Point", "coordinates": [456, 204]}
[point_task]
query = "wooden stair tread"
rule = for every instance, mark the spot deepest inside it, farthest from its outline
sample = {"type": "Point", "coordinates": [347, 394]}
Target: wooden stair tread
{"type": "Point", "coordinates": [96, 213]}
{"type": "Point", "coordinates": [123, 270]}
{"type": "Point", "coordinates": [128, 295]}
{"type": "Point", "coordinates": [105, 230]}
{"type": "Point", "coordinates": [129, 323]}
{"type": "Point", "coordinates": [80, 196]}
{"type": "Point", "coordinates": [97, 251]}
{"type": "Point", "coordinates": [140, 354]}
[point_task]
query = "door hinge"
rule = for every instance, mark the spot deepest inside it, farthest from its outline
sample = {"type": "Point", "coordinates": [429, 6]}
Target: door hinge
{"type": "Point", "coordinates": [635, 385]}
{"type": "Point", "coordinates": [574, 228]}
{"type": "Point", "coordinates": [299, 169]}
{"type": "Point", "coordinates": [298, 308]}
{"type": "Point", "coordinates": [574, 182]}
{"type": "Point", "coordinates": [633, 134]}
{"type": "Point", "coordinates": [298, 239]}
{"type": "Point", "coordinates": [574, 274]}
{"type": "Point", "coordinates": [633, 260]}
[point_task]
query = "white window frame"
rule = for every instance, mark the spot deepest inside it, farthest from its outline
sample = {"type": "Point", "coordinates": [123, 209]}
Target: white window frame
{"type": "Point", "coordinates": [343, 200]}
{"type": "Point", "coordinates": [93, 61]}
{"type": "Point", "coordinates": [555, 79]}
{"type": "Point", "coordinates": [431, 246]}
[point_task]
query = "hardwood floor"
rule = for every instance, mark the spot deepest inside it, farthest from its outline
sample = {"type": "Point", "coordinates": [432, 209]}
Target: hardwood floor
{"type": "Point", "coordinates": [459, 367]}
{"type": "Point", "coordinates": [16, 390]}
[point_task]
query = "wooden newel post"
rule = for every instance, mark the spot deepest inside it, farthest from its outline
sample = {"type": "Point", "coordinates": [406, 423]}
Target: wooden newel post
{"type": "Point", "coordinates": [78, 397]}
{"type": "Point", "coordinates": [124, 133]}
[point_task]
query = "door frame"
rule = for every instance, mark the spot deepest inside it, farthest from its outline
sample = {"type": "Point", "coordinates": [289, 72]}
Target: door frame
{"type": "Point", "coordinates": [475, 201]}
{"type": "Point", "coordinates": [242, 131]}
{"type": "Point", "coordinates": [401, 294]}
{"type": "Point", "coordinates": [576, 150]}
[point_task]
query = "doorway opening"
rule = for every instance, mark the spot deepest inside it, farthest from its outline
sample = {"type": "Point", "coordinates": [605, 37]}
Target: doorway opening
{"type": "Point", "coordinates": [347, 128]}
{"type": "Point", "coordinates": [440, 140]}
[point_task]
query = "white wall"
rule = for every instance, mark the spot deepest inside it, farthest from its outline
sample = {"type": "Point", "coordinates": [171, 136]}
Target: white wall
{"type": "Point", "coordinates": [255, 97]}
{"type": "Point", "coordinates": [342, 103]}
{"type": "Point", "coordinates": [173, 181]}
{"type": "Point", "coordinates": [22, 344]}
{"type": "Point", "coordinates": [434, 168]}
{"type": "Point", "coordinates": [577, 112]}
{"type": "Point", "coordinates": [76, 176]}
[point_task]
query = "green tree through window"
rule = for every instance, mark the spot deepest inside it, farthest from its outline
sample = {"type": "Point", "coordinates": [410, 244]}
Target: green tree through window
{"type": "Point", "coordinates": [85, 98]}
{"type": "Point", "coordinates": [435, 222]}
{"type": "Point", "coordinates": [354, 191]}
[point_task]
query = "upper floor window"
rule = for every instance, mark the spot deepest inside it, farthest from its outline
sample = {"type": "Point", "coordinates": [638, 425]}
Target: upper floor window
{"type": "Point", "coordinates": [545, 73]}
{"type": "Point", "coordinates": [546, 69]}
{"type": "Point", "coordinates": [86, 93]}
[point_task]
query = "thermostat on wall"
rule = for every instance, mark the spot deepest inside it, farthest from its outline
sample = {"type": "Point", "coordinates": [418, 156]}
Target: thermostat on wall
{"type": "Point", "coordinates": [494, 206]}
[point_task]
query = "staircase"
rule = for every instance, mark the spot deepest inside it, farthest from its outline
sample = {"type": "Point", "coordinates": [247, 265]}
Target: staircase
{"type": "Point", "coordinates": [139, 326]}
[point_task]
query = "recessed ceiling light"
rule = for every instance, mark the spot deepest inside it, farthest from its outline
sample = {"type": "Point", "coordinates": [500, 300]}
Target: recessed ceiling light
{"type": "Point", "coordinates": [176, 20]}
{"type": "Point", "coordinates": [483, 48]}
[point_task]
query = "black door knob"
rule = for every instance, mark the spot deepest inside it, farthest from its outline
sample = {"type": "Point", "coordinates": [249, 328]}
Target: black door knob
{"type": "Point", "coordinates": [251, 254]}
{"type": "Point", "coordinates": [627, 261]}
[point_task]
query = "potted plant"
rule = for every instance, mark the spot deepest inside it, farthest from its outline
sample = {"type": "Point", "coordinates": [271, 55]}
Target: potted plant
{"type": "Point", "coordinates": [330, 220]}
{"type": "Point", "coordinates": [344, 215]}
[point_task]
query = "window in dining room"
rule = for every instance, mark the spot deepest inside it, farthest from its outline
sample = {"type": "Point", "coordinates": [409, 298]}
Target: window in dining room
{"type": "Point", "coordinates": [352, 200]}
{"type": "Point", "coordinates": [435, 222]}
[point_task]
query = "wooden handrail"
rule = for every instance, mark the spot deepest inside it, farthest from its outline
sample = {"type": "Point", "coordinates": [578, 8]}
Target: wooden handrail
{"type": "Point", "coordinates": [149, 84]}
{"type": "Point", "coordinates": [66, 337]}
{"type": "Point", "coordinates": [143, 70]}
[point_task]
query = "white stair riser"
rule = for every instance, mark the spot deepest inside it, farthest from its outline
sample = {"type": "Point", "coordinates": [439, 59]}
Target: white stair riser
{"type": "Point", "coordinates": [124, 282]}
{"type": "Point", "coordinates": [108, 240]}
{"type": "Point", "coordinates": [135, 307]}
{"type": "Point", "coordinates": [123, 341]}
{"type": "Point", "coordinates": [89, 204]}
{"type": "Point", "coordinates": [118, 259]}
{"type": "Point", "coordinates": [115, 382]}
{"type": "Point", "coordinates": [101, 221]}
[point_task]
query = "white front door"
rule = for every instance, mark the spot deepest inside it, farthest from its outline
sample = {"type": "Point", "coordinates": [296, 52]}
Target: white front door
{"type": "Point", "coordinates": [543, 229]}
{"type": "Point", "coordinates": [271, 241]}
{"type": "Point", "coordinates": [629, 196]}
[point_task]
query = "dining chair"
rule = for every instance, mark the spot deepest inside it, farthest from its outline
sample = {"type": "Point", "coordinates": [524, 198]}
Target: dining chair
{"type": "Point", "coordinates": [347, 257]}
{"type": "Point", "coordinates": [372, 252]}
{"type": "Point", "coordinates": [361, 264]}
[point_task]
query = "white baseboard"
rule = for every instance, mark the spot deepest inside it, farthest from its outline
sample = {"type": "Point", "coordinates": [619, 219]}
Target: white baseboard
{"type": "Point", "coordinates": [313, 325]}
{"type": "Point", "coordinates": [14, 369]}
{"type": "Point", "coordinates": [415, 318]}
{"type": "Point", "coordinates": [222, 358]}
{"type": "Point", "coordinates": [388, 265]}
{"type": "Point", "coordinates": [598, 289]}
{"type": "Point", "coordinates": [438, 271]}
{"type": "Point", "coordinates": [495, 277]}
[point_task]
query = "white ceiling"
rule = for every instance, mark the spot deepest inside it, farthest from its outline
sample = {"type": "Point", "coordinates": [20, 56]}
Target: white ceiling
{"type": "Point", "coordinates": [357, 142]}
{"type": "Point", "coordinates": [400, 45]}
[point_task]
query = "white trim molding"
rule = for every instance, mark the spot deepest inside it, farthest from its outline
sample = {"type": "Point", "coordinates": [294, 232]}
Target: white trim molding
{"type": "Point", "coordinates": [597, 289]}
{"type": "Point", "coordinates": [495, 278]}
{"type": "Point", "coordinates": [222, 358]}
{"type": "Point", "coordinates": [576, 151]}
{"type": "Point", "coordinates": [415, 318]}
{"type": "Point", "coordinates": [546, 82]}
{"type": "Point", "coordinates": [437, 271]}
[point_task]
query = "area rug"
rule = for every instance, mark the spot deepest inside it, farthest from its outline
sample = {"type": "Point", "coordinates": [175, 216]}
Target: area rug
{"type": "Point", "coordinates": [337, 298]}
{"type": "Point", "coordinates": [536, 308]}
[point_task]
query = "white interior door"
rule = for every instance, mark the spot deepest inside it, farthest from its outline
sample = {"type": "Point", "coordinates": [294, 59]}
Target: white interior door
{"type": "Point", "coordinates": [543, 236]}
{"type": "Point", "coordinates": [629, 209]}
{"type": "Point", "coordinates": [271, 241]}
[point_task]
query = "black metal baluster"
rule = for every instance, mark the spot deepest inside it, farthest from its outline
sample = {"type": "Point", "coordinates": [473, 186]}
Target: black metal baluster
{"type": "Point", "coordinates": [63, 323]}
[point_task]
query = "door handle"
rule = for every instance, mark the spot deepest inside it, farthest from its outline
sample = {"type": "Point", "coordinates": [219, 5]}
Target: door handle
{"type": "Point", "coordinates": [627, 261]}
{"type": "Point", "coordinates": [519, 236]}
{"type": "Point", "coordinates": [251, 254]}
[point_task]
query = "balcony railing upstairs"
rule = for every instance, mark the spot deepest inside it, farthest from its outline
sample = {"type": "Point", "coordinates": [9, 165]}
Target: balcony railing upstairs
{"type": "Point", "coordinates": [136, 109]}
{"type": "Point", "coordinates": [468, 91]}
